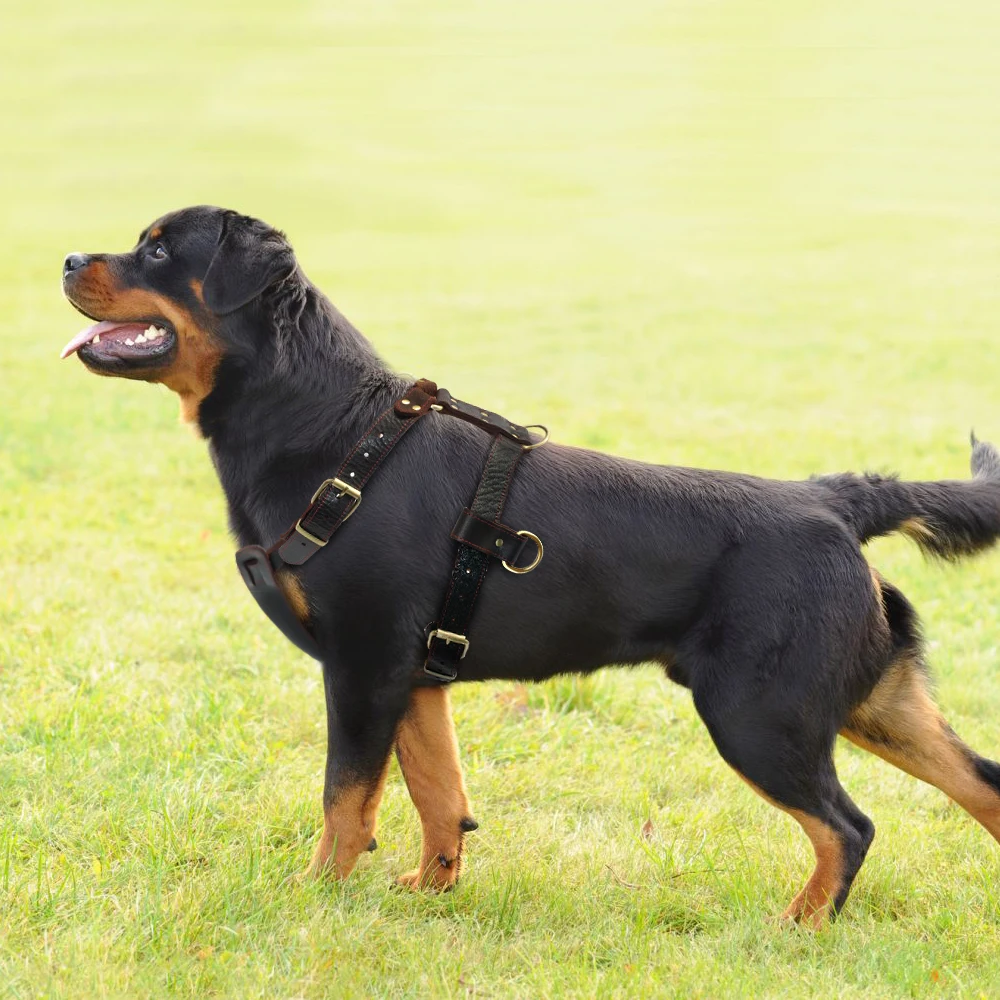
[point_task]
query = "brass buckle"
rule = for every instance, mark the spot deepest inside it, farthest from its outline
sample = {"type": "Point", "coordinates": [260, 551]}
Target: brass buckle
{"type": "Point", "coordinates": [538, 557]}
{"type": "Point", "coordinates": [449, 638]}
{"type": "Point", "coordinates": [343, 489]}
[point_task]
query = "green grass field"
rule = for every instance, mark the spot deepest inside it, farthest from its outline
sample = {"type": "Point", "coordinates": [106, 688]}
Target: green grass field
{"type": "Point", "coordinates": [772, 229]}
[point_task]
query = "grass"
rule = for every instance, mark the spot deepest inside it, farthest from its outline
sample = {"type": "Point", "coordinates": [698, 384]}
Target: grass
{"type": "Point", "coordinates": [737, 235]}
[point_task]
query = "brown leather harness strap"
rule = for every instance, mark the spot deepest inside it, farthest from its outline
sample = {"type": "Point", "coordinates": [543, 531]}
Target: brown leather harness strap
{"type": "Point", "coordinates": [478, 530]}
{"type": "Point", "coordinates": [338, 498]}
{"type": "Point", "coordinates": [448, 639]}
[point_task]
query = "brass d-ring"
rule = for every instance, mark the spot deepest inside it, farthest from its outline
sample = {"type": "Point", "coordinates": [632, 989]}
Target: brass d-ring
{"type": "Point", "coordinates": [536, 444]}
{"type": "Point", "coordinates": [538, 558]}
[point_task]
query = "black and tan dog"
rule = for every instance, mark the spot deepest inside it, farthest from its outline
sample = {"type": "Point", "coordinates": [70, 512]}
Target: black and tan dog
{"type": "Point", "coordinates": [752, 593]}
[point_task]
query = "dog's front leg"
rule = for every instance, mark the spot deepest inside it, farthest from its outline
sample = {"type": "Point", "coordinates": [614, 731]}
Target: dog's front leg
{"type": "Point", "coordinates": [427, 749]}
{"type": "Point", "coordinates": [361, 727]}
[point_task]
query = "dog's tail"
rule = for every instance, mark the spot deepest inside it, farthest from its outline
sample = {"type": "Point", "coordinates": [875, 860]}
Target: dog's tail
{"type": "Point", "coordinates": [947, 519]}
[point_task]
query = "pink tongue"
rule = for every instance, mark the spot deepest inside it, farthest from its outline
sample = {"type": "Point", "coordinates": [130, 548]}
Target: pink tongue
{"type": "Point", "coordinates": [105, 326]}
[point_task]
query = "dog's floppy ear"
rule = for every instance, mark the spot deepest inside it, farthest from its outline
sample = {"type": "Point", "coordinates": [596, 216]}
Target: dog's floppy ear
{"type": "Point", "coordinates": [250, 258]}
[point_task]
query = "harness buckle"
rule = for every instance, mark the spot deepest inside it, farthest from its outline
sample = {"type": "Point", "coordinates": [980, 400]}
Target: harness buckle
{"type": "Point", "coordinates": [444, 673]}
{"type": "Point", "coordinates": [440, 672]}
{"type": "Point", "coordinates": [343, 489]}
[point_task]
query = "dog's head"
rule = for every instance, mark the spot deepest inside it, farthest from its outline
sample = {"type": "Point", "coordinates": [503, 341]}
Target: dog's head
{"type": "Point", "coordinates": [172, 307]}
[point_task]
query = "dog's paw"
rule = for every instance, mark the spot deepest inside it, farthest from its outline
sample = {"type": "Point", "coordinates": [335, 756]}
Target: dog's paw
{"type": "Point", "coordinates": [439, 876]}
{"type": "Point", "coordinates": [314, 872]}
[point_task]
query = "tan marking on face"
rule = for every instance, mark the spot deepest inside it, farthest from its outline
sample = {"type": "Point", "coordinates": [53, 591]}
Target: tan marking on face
{"type": "Point", "coordinates": [900, 723]}
{"type": "Point", "coordinates": [427, 749]}
{"type": "Point", "coordinates": [196, 287]}
{"type": "Point", "coordinates": [348, 827]}
{"type": "Point", "coordinates": [155, 233]}
{"type": "Point", "coordinates": [192, 373]}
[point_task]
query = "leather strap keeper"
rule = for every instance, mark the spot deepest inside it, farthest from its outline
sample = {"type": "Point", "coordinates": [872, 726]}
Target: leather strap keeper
{"type": "Point", "coordinates": [489, 537]}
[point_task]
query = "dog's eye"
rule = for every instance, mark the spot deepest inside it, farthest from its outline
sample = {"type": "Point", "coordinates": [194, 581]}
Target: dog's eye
{"type": "Point", "coordinates": [159, 252]}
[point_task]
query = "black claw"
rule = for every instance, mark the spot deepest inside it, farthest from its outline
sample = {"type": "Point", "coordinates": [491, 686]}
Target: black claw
{"type": "Point", "coordinates": [373, 844]}
{"type": "Point", "coordinates": [443, 861]}
{"type": "Point", "coordinates": [467, 824]}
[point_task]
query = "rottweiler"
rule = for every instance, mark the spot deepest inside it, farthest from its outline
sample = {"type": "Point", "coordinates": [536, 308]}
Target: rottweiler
{"type": "Point", "coordinates": [753, 593]}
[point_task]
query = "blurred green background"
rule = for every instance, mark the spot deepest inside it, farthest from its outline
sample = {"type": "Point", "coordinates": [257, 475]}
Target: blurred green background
{"type": "Point", "coordinates": [728, 233]}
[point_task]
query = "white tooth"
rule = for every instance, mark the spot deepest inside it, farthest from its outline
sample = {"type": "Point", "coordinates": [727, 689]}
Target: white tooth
{"type": "Point", "coordinates": [150, 331]}
{"type": "Point", "coordinates": [141, 339]}
{"type": "Point", "coordinates": [130, 343]}
{"type": "Point", "coordinates": [96, 339]}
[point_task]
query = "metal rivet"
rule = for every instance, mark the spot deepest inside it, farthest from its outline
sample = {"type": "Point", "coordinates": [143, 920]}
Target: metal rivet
{"type": "Point", "coordinates": [366, 454]}
{"type": "Point", "coordinates": [352, 475]}
{"type": "Point", "coordinates": [405, 402]}
{"type": "Point", "coordinates": [381, 436]}
{"type": "Point", "coordinates": [484, 414]}
{"type": "Point", "coordinates": [499, 543]}
{"type": "Point", "coordinates": [415, 406]}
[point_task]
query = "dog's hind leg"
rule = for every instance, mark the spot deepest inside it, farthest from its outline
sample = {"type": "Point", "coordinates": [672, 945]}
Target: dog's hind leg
{"type": "Point", "coordinates": [427, 749]}
{"type": "Point", "coordinates": [361, 728]}
{"type": "Point", "coordinates": [788, 761]}
{"type": "Point", "coordinates": [900, 723]}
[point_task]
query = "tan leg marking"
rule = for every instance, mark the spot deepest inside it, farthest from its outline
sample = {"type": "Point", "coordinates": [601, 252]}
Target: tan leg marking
{"type": "Point", "coordinates": [814, 902]}
{"type": "Point", "coordinates": [348, 828]}
{"type": "Point", "coordinates": [900, 723]}
{"type": "Point", "coordinates": [427, 749]}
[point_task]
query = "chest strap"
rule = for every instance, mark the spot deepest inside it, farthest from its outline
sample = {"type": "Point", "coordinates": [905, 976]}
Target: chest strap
{"type": "Point", "coordinates": [481, 539]}
{"type": "Point", "coordinates": [478, 531]}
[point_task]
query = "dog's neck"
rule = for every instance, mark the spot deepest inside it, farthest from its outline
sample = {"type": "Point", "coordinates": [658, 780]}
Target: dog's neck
{"type": "Point", "coordinates": [310, 391]}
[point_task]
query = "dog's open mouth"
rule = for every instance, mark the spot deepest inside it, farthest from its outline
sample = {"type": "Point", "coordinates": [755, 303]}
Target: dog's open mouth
{"type": "Point", "coordinates": [111, 344]}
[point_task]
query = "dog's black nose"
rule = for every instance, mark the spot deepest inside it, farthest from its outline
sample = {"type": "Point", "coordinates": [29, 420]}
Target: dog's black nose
{"type": "Point", "coordinates": [75, 261]}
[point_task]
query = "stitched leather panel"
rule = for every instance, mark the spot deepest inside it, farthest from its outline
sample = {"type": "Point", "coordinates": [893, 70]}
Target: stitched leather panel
{"type": "Point", "coordinates": [492, 492]}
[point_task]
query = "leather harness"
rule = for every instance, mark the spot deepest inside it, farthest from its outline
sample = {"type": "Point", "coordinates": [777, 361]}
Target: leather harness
{"type": "Point", "coordinates": [479, 532]}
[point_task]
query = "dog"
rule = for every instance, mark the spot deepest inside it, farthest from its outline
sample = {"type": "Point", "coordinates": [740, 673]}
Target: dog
{"type": "Point", "coordinates": [752, 593]}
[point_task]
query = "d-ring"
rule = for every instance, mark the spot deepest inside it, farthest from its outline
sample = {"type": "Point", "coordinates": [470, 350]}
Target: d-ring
{"type": "Point", "coordinates": [536, 444]}
{"type": "Point", "coordinates": [538, 542]}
